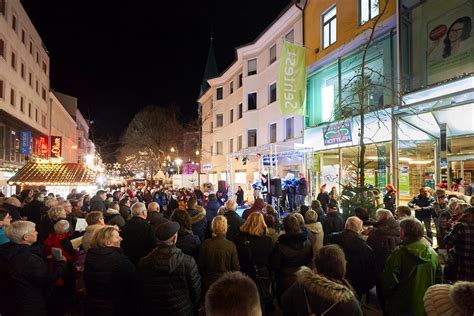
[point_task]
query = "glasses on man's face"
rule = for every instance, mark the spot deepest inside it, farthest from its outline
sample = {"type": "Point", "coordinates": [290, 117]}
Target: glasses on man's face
{"type": "Point", "coordinates": [457, 30]}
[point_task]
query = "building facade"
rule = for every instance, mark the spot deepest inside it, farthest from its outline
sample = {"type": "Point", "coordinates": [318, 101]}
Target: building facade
{"type": "Point", "coordinates": [241, 122]}
{"type": "Point", "coordinates": [24, 90]}
{"type": "Point", "coordinates": [63, 131]}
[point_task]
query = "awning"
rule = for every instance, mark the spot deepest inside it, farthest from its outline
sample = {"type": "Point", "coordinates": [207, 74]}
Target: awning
{"type": "Point", "coordinates": [42, 174]}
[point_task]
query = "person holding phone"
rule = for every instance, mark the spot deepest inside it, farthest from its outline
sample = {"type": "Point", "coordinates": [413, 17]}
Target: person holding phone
{"type": "Point", "coordinates": [24, 273]}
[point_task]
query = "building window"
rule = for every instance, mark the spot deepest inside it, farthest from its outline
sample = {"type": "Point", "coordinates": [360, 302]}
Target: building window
{"type": "Point", "coordinates": [219, 148]}
{"type": "Point", "coordinates": [273, 133]}
{"type": "Point", "coordinates": [30, 79]}
{"type": "Point", "coordinates": [14, 22]}
{"type": "Point", "coordinates": [241, 111]}
{"type": "Point", "coordinates": [290, 36]}
{"type": "Point", "coordinates": [251, 138]}
{"type": "Point", "coordinates": [22, 104]}
{"type": "Point", "coordinates": [212, 150]}
{"type": "Point", "coordinates": [252, 67]}
{"type": "Point", "coordinates": [240, 80]}
{"type": "Point", "coordinates": [252, 101]}
{"type": "Point", "coordinates": [2, 8]}
{"type": "Point", "coordinates": [43, 120]}
{"type": "Point", "coordinates": [231, 145]}
{"type": "Point", "coordinates": [36, 115]}
{"type": "Point", "coordinates": [2, 47]}
{"type": "Point", "coordinates": [23, 36]}
{"type": "Point", "coordinates": [272, 93]}
{"type": "Point", "coordinates": [37, 58]}
{"type": "Point", "coordinates": [43, 93]}
{"type": "Point", "coordinates": [231, 116]}
{"type": "Point", "coordinates": [2, 90]}
{"type": "Point", "coordinates": [329, 27]}
{"type": "Point", "coordinates": [13, 60]}
{"type": "Point", "coordinates": [12, 97]}
{"type": "Point", "coordinates": [219, 120]}
{"type": "Point", "coordinates": [45, 68]}
{"type": "Point", "coordinates": [212, 127]}
{"type": "Point", "coordinates": [31, 48]}
{"type": "Point", "coordinates": [22, 70]}
{"type": "Point", "coordinates": [29, 109]}
{"type": "Point", "coordinates": [239, 142]}
{"type": "Point", "coordinates": [290, 128]}
{"type": "Point", "coordinates": [219, 93]}
{"type": "Point", "coordinates": [37, 86]}
{"type": "Point", "coordinates": [369, 9]}
{"type": "Point", "coordinates": [231, 87]}
{"type": "Point", "coordinates": [273, 54]}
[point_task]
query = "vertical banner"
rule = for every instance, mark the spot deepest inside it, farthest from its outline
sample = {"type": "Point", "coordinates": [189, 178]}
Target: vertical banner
{"type": "Point", "coordinates": [292, 79]}
{"type": "Point", "coordinates": [56, 146]}
{"type": "Point", "coordinates": [43, 147]}
{"type": "Point", "coordinates": [381, 168]}
{"type": "Point", "coordinates": [25, 141]}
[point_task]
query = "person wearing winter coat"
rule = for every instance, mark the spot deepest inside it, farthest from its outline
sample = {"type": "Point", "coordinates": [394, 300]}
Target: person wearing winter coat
{"type": "Point", "coordinates": [390, 198]}
{"type": "Point", "coordinates": [446, 219]}
{"type": "Point", "coordinates": [33, 210]}
{"type": "Point", "coordinates": [198, 218]}
{"type": "Point", "coordinates": [109, 276]}
{"type": "Point", "coordinates": [5, 221]}
{"type": "Point", "coordinates": [124, 208]}
{"type": "Point", "coordinates": [254, 247]}
{"type": "Point", "coordinates": [13, 206]}
{"type": "Point", "coordinates": [383, 239]}
{"type": "Point", "coordinates": [323, 198]}
{"type": "Point", "coordinates": [316, 206]}
{"type": "Point", "coordinates": [233, 219]}
{"type": "Point", "coordinates": [47, 221]}
{"type": "Point", "coordinates": [25, 277]}
{"type": "Point", "coordinates": [138, 235]}
{"type": "Point", "coordinates": [95, 220]}
{"type": "Point", "coordinates": [240, 196]}
{"type": "Point", "coordinates": [257, 206]}
{"type": "Point", "coordinates": [112, 215]}
{"type": "Point", "coordinates": [333, 222]}
{"type": "Point", "coordinates": [460, 263]}
{"type": "Point", "coordinates": [323, 291]}
{"type": "Point", "coordinates": [170, 283]}
{"type": "Point", "coordinates": [315, 229]}
{"type": "Point", "coordinates": [154, 216]}
{"type": "Point", "coordinates": [187, 241]}
{"type": "Point", "coordinates": [217, 255]}
{"type": "Point", "coordinates": [409, 271]}
{"type": "Point", "coordinates": [97, 202]}
{"type": "Point", "coordinates": [292, 251]}
{"type": "Point", "coordinates": [212, 206]}
{"type": "Point", "coordinates": [360, 257]}
{"type": "Point", "coordinates": [454, 300]}
{"type": "Point", "coordinates": [423, 204]}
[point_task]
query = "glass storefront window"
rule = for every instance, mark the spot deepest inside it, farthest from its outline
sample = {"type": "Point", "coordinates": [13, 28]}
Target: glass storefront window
{"type": "Point", "coordinates": [437, 41]}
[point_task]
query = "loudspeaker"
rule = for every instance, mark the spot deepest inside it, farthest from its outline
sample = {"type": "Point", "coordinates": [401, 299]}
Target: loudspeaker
{"type": "Point", "coordinates": [222, 186]}
{"type": "Point", "coordinates": [275, 187]}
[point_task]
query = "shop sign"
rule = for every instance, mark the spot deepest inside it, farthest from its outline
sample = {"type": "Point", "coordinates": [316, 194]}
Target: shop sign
{"type": "Point", "coordinates": [25, 141]}
{"type": "Point", "coordinates": [206, 166]}
{"type": "Point", "coordinates": [337, 133]}
{"type": "Point", "coordinates": [56, 146]}
{"type": "Point", "coordinates": [43, 146]}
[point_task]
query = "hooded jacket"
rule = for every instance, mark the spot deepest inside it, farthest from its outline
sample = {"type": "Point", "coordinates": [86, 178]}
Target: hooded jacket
{"type": "Point", "coordinates": [324, 296]}
{"type": "Point", "coordinates": [211, 210]}
{"type": "Point", "coordinates": [113, 217]}
{"type": "Point", "coordinates": [256, 207]}
{"type": "Point", "coordinates": [169, 282]}
{"type": "Point", "coordinates": [198, 221]}
{"type": "Point", "coordinates": [290, 253]}
{"type": "Point", "coordinates": [317, 233]}
{"type": "Point", "coordinates": [383, 239]}
{"type": "Point", "coordinates": [409, 272]}
{"type": "Point", "coordinates": [110, 280]}
{"type": "Point", "coordinates": [25, 280]}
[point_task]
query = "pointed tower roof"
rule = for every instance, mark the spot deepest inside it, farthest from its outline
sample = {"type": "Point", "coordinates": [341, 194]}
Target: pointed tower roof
{"type": "Point", "coordinates": [211, 68]}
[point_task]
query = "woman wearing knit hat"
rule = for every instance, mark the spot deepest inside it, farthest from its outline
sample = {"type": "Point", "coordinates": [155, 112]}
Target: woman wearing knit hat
{"type": "Point", "coordinates": [453, 300]}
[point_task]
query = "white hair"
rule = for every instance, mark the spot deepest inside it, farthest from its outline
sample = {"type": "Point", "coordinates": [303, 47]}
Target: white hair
{"type": "Point", "coordinates": [138, 208]}
{"type": "Point", "coordinates": [354, 223]}
{"type": "Point", "coordinates": [61, 227]}
{"type": "Point", "coordinates": [383, 214]}
{"type": "Point", "coordinates": [17, 230]}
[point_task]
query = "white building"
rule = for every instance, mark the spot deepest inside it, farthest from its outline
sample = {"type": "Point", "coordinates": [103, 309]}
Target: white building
{"type": "Point", "coordinates": [24, 88]}
{"type": "Point", "coordinates": [241, 120]}
{"type": "Point", "coordinates": [63, 125]}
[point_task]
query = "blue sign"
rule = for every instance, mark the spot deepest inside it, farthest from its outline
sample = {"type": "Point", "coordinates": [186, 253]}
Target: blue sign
{"type": "Point", "coordinates": [25, 141]}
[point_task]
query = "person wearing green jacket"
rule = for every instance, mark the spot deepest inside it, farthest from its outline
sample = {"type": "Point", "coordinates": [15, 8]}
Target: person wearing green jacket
{"type": "Point", "coordinates": [409, 271]}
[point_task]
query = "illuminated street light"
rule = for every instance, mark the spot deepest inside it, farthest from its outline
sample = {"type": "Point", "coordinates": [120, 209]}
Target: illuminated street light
{"type": "Point", "coordinates": [178, 162]}
{"type": "Point", "coordinates": [197, 152]}
{"type": "Point", "coordinates": [172, 149]}
{"type": "Point", "coordinates": [89, 159]}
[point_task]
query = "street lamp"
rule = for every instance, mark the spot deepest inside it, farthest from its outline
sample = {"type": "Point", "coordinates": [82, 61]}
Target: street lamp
{"type": "Point", "coordinates": [197, 152]}
{"type": "Point", "coordinates": [178, 162]}
{"type": "Point", "coordinates": [172, 149]}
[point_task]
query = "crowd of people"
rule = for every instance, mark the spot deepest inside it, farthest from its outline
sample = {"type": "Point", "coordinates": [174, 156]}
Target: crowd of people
{"type": "Point", "coordinates": [188, 252]}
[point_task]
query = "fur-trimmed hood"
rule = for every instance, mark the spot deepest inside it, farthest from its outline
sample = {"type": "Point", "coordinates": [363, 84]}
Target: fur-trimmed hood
{"type": "Point", "coordinates": [461, 295]}
{"type": "Point", "coordinates": [197, 214]}
{"type": "Point", "coordinates": [323, 287]}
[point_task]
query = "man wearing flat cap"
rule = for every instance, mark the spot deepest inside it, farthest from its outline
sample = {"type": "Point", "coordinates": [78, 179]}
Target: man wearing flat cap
{"type": "Point", "coordinates": [170, 283]}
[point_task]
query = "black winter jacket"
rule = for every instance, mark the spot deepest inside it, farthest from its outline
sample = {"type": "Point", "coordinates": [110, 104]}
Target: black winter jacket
{"type": "Point", "coordinates": [97, 204]}
{"type": "Point", "coordinates": [138, 239]}
{"type": "Point", "coordinates": [188, 243]}
{"type": "Point", "coordinates": [333, 223]}
{"type": "Point", "coordinates": [199, 222]}
{"type": "Point", "coordinates": [383, 239]}
{"type": "Point", "coordinates": [324, 296]}
{"type": "Point", "coordinates": [259, 248]}
{"type": "Point", "coordinates": [33, 211]}
{"type": "Point", "coordinates": [426, 205]}
{"type": "Point", "coordinates": [234, 221]}
{"type": "Point", "coordinates": [110, 280]}
{"type": "Point", "coordinates": [290, 253]}
{"type": "Point", "coordinates": [170, 283]}
{"type": "Point", "coordinates": [26, 280]}
{"type": "Point", "coordinates": [360, 259]}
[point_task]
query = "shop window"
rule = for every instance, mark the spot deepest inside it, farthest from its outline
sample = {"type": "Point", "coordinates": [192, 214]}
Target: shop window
{"type": "Point", "coordinates": [368, 10]}
{"type": "Point", "coordinates": [252, 101]}
{"type": "Point", "coordinates": [251, 138]}
{"type": "Point", "coordinates": [273, 54]}
{"type": "Point", "coordinates": [329, 27]}
{"type": "Point", "coordinates": [273, 133]}
{"type": "Point", "coordinates": [251, 67]}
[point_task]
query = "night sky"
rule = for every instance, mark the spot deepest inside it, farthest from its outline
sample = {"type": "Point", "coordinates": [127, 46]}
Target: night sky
{"type": "Point", "coordinates": [119, 56]}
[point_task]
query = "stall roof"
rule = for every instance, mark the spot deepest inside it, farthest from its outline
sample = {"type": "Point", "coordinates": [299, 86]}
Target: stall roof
{"type": "Point", "coordinates": [42, 174]}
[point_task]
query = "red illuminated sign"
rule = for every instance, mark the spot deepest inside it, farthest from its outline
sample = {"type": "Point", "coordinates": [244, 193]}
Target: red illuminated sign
{"type": "Point", "coordinates": [43, 146]}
